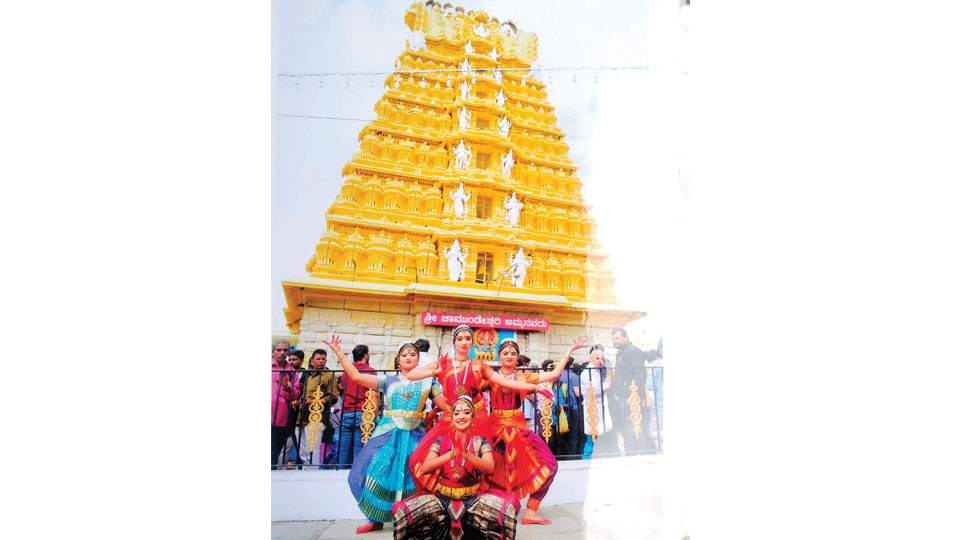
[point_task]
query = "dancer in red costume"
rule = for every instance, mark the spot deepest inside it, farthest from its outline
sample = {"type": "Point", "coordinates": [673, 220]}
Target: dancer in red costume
{"type": "Point", "coordinates": [459, 376]}
{"type": "Point", "coordinates": [525, 465]}
{"type": "Point", "coordinates": [461, 506]}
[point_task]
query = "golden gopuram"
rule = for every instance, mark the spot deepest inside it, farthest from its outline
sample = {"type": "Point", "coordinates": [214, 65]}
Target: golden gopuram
{"type": "Point", "coordinates": [461, 205]}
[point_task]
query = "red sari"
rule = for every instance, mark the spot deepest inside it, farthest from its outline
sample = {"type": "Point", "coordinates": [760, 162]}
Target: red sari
{"type": "Point", "coordinates": [472, 383]}
{"type": "Point", "coordinates": [462, 507]}
{"type": "Point", "coordinates": [525, 465]}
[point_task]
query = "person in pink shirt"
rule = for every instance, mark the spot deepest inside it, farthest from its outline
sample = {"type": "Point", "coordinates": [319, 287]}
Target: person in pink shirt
{"type": "Point", "coordinates": [284, 390]}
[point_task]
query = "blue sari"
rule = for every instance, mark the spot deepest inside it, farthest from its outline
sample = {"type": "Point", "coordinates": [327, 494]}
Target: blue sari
{"type": "Point", "coordinates": [380, 476]}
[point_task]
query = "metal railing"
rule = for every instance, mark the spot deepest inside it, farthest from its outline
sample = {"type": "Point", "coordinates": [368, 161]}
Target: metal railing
{"type": "Point", "coordinates": [608, 424]}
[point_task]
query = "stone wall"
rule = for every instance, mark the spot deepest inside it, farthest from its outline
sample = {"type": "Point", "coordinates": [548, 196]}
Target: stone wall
{"type": "Point", "coordinates": [384, 332]}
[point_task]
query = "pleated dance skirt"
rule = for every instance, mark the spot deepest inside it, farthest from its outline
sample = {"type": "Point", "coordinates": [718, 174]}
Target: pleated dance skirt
{"type": "Point", "coordinates": [379, 476]}
{"type": "Point", "coordinates": [524, 463]}
{"type": "Point", "coordinates": [491, 515]}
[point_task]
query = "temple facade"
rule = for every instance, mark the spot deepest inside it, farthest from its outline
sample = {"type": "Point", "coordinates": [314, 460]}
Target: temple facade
{"type": "Point", "coordinates": [460, 205]}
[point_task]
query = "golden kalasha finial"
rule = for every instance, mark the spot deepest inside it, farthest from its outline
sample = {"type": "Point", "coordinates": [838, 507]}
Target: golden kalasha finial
{"type": "Point", "coordinates": [634, 402]}
{"type": "Point", "coordinates": [316, 415]}
{"type": "Point", "coordinates": [592, 418]}
{"type": "Point", "coordinates": [369, 413]}
{"type": "Point", "coordinates": [546, 419]}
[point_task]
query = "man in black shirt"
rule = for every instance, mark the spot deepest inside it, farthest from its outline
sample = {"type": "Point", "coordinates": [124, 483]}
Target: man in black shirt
{"type": "Point", "coordinates": [629, 369]}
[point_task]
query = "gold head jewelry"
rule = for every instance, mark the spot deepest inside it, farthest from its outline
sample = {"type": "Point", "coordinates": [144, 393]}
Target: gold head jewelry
{"type": "Point", "coordinates": [592, 411]}
{"type": "Point", "coordinates": [546, 419]}
{"type": "Point", "coordinates": [316, 415]}
{"type": "Point", "coordinates": [634, 402]}
{"type": "Point", "coordinates": [369, 413]}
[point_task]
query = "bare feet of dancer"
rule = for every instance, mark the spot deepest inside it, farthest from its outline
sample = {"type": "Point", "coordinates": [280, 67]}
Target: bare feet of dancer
{"type": "Point", "coordinates": [530, 517]}
{"type": "Point", "coordinates": [372, 526]}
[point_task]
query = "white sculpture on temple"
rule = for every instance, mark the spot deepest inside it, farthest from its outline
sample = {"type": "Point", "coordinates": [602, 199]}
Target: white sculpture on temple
{"type": "Point", "coordinates": [494, 54]}
{"type": "Point", "coordinates": [506, 163]}
{"type": "Point", "coordinates": [513, 207]}
{"type": "Point", "coordinates": [468, 48]}
{"type": "Point", "coordinates": [518, 264]}
{"type": "Point", "coordinates": [460, 198]}
{"type": "Point", "coordinates": [423, 82]}
{"type": "Point", "coordinates": [456, 261]}
{"type": "Point", "coordinates": [523, 81]}
{"type": "Point", "coordinates": [464, 90]}
{"type": "Point", "coordinates": [501, 99]}
{"type": "Point", "coordinates": [463, 155]}
{"type": "Point", "coordinates": [497, 75]}
{"type": "Point", "coordinates": [481, 30]}
{"type": "Point", "coordinates": [504, 124]}
{"type": "Point", "coordinates": [465, 67]}
{"type": "Point", "coordinates": [449, 84]}
{"type": "Point", "coordinates": [417, 40]}
{"type": "Point", "coordinates": [464, 116]}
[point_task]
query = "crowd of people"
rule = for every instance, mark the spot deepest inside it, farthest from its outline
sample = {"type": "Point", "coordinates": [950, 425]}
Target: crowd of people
{"type": "Point", "coordinates": [457, 443]}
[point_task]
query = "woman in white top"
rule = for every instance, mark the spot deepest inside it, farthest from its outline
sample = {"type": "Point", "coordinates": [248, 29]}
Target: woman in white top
{"type": "Point", "coordinates": [595, 372]}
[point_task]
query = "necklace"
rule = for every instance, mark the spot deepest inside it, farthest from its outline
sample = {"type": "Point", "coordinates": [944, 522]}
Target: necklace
{"type": "Point", "coordinates": [407, 388]}
{"type": "Point", "coordinates": [504, 389]}
{"type": "Point", "coordinates": [461, 389]}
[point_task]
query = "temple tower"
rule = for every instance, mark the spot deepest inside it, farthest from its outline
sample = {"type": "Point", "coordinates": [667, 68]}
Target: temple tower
{"type": "Point", "coordinates": [460, 199]}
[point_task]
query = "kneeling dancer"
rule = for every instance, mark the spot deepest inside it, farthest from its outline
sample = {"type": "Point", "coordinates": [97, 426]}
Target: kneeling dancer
{"type": "Point", "coordinates": [461, 505]}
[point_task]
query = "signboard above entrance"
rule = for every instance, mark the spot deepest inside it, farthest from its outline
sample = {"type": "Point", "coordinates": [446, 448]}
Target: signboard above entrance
{"type": "Point", "coordinates": [437, 318]}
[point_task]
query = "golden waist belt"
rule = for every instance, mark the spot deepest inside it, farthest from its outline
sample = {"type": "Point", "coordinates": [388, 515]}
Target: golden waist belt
{"type": "Point", "coordinates": [507, 413]}
{"type": "Point", "coordinates": [458, 493]}
{"type": "Point", "coordinates": [405, 414]}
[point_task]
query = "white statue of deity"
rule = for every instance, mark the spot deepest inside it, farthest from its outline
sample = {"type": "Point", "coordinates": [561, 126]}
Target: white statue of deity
{"type": "Point", "coordinates": [513, 207]}
{"type": "Point", "coordinates": [465, 67]}
{"type": "Point", "coordinates": [523, 81]}
{"type": "Point", "coordinates": [464, 90]}
{"type": "Point", "coordinates": [417, 40]}
{"type": "Point", "coordinates": [460, 198]}
{"type": "Point", "coordinates": [506, 163]}
{"type": "Point", "coordinates": [449, 84]}
{"type": "Point", "coordinates": [423, 82]}
{"type": "Point", "coordinates": [464, 116]}
{"type": "Point", "coordinates": [518, 264]}
{"type": "Point", "coordinates": [501, 99]}
{"type": "Point", "coordinates": [456, 261]}
{"type": "Point", "coordinates": [463, 155]}
{"type": "Point", "coordinates": [481, 30]}
{"type": "Point", "coordinates": [494, 54]}
{"type": "Point", "coordinates": [504, 124]}
{"type": "Point", "coordinates": [497, 75]}
{"type": "Point", "coordinates": [468, 48]}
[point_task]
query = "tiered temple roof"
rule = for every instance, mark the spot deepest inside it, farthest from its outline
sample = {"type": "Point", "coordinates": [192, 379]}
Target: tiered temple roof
{"type": "Point", "coordinates": [464, 78]}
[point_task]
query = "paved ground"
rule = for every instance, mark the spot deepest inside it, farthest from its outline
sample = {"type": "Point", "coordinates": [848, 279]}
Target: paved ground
{"type": "Point", "coordinates": [639, 517]}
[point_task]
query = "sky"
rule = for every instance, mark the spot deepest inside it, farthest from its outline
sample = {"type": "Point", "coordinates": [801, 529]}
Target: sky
{"type": "Point", "coordinates": [621, 125]}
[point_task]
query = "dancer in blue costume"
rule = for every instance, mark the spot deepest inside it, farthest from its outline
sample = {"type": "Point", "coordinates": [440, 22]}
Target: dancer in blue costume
{"type": "Point", "coordinates": [379, 476]}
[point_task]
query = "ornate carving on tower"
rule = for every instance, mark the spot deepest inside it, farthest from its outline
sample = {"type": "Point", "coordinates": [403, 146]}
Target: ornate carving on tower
{"type": "Point", "coordinates": [460, 199]}
{"type": "Point", "coordinates": [504, 125]}
{"type": "Point", "coordinates": [518, 267]}
{"type": "Point", "coordinates": [513, 209]}
{"type": "Point", "coordinates": [464, 117]}
{"type": "Point", "coordinates": [456, 261]}
{"type": "Point", "coordinates": [463, 155]}
{"type": "Point", "coordinates": [506, 163]}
